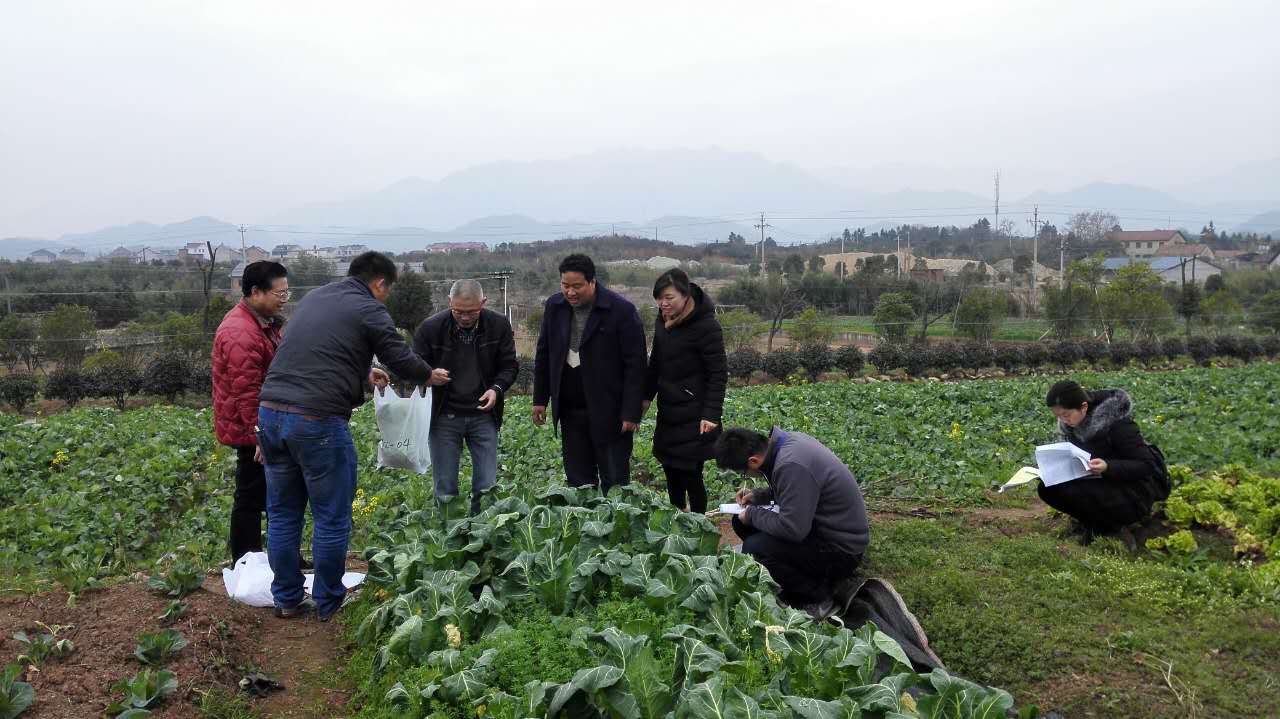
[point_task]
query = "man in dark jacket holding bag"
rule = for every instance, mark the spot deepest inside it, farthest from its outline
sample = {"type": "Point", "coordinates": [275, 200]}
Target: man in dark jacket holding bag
{"type": "Point", "coordinates": [590, 366]}
{"type": "Point", "coordinates": [808, 527]}
{"type": "Point", "coordinates": [319, 375]}
{"type": "Point", "coordinates": [477, 348]}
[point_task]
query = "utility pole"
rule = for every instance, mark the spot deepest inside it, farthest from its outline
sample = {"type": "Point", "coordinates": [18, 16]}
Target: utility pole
{"type": "Point", "coordinates": [842, 256]}
{"type": "Point", "coordinates": [997, 224]}
{"type": "Point", "coordinates": [502, 277]}
{"type": "Point", "coordinates": [761, 227]}
{"type": "Point", "coordinates": [897, 256]}
{"type": "Point", "coordinates": [244, 254]}
{"type": "Point", "coordinates": [1062, 261]}
{"type": "Point", "coordinates": [1035, 253]}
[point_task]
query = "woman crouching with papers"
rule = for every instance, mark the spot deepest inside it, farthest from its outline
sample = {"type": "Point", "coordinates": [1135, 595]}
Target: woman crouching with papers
{"type": "Point", "coordinates": [1126, 474]}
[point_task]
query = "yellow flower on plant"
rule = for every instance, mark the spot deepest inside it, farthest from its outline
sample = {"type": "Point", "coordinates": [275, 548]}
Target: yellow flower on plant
{"type": "Point", "coordinates": [454, 636]}
{"type": "Point", "coordinates": [956, 432]}
{"type": "Point", "coordinates": [480, 710]}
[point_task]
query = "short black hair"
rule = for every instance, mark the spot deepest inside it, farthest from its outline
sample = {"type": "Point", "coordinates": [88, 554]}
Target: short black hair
{"type": "Point", "coordinates": [1067, 395]}
{"type": "Point", "coordinates": [260, 276]}
{"type": "Point", "coordinates": [579, 263]}
{"type": "Point", "coordinates": [736, 445]}
{"type": "Point", "coordinates": [674, 277]}
{"type": "Point", "coordinates": [371, 266]}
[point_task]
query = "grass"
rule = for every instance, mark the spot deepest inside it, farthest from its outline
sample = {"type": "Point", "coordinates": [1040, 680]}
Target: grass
{"type": "Point", "coordinates": [1085, 631]}
{"type": "Point", "coordinates": [1010, 329]}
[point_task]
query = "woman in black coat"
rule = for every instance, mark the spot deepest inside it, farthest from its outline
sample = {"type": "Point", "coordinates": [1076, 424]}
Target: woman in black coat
{"type": "Point", "coordinates": [1128, 475]}
{"type": "Point", "coordinates": [688, 374]}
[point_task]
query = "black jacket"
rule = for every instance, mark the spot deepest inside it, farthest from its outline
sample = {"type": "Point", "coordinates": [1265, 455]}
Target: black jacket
{"type": "Point", "coordinates": [687, 373]}
{"type": "Point", "coordinates": [612, 350]}
{"type": "Point", "coordinates": [495, 350]}
{"type": "Point", "coordinates": [324, 360]}
{"type": "Point", "coordinates": [815, 493]}
{"type": "Point", "coordinates": [1109, 433]}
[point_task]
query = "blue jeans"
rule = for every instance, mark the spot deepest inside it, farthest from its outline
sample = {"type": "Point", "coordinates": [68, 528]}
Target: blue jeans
{"type": "Point", "coordinates": [307, 460]}
{"type": "Point", "coordinates": [448, 431]}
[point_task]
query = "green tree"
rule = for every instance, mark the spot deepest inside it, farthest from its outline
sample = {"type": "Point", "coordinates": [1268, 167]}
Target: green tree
{"type": "Point", "coordinates": [1265, 313]}
{"type": "Point", "coordinates": [1220, 311]}
{"type": "Point", "coordinates": [1189, 304]}
{"type": "Point", "coordinates": [812, 328]}
{"type": "Point", "coordinates": [1134, 301]}
{"type": "Point", "coordinates": [793, 266]}
{"type": "Point", "coordinates": [67, 334]}
{"type": "Point", "coordinates": [893, 316]}
{"type": "Point", "coordinates": [980, 313]}
{"type": "Point", "coordinates": [817, 263]}
{"type": "Point", "coordinates": [533, 321]}
{"type": "Point", "coordinates": [740, 328]}
{"type": "Point", "coordinates": [18, 338]}
{"type": "Point", "coordinates": [754, 269]}
{"type": "Point", "coordinates": [410, 301]}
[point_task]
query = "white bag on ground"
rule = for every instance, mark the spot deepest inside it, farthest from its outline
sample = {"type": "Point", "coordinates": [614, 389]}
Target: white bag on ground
{"type": "Point", "coordinates": [404, 424]}
{"type": "Point", "coordinates": [249, 582]}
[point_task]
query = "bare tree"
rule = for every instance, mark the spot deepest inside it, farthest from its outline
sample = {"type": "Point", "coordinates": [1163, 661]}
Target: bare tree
{"type": "Point", "coordinates": [207, 275]}
{"type": "Point", "coordinates": [781, 301]}
{"type": "Point", "coordinates": [1092, 227]}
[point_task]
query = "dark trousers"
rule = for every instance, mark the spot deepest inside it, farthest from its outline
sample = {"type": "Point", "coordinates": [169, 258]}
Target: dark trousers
{"type": "Point", "coordinates": [1103, 505]}
{"type": "Point", "coordinates": [682, 482]}
{"type": "Point", "coordinates": [594, 456]}
{"type": "Point", "coordinates": [803, 570]}
{"type": "Point", "coordinates": [249, 502]}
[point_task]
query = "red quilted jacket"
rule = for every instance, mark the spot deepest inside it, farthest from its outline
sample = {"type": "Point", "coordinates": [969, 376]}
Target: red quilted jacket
{"type": "Point", "coordinates": [242, 352]}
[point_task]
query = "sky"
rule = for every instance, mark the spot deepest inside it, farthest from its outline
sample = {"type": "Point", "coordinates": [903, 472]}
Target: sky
{"type": "Point", "coordinates": [123, 111]}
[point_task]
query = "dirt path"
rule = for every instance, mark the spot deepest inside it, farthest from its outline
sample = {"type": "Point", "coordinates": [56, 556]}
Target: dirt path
{"type": "Point", "coordinates": [227, 641]}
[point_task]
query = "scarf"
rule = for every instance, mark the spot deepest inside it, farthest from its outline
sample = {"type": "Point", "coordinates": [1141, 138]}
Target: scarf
{"type": "Point", "coordinates": [679, 319]}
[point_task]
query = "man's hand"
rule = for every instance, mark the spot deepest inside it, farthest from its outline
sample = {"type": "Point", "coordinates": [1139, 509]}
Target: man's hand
{"type": "Point", "coordinates": [707, 426]}
{"type": "Point", "coordinates": [438, 377]}
{"type": "Point", "coordinates": [1097, 466]}
{"type": "Point", "coordinates": [488, 400]}
{"type": "Point", "coordinates": [629, 426]}
{"type": "Point", "coordinates": [745, 517]}
{"type": "Point", "coordinates": [644, 408]}
{"type": "Point", "coordinates": [744, 497]}
{"type": "Point", "coordinates": [539, 414]}
{"type": "Point", "coordinates": [257, 454]}
{"type": "Point", "coordinates": [379, 378]}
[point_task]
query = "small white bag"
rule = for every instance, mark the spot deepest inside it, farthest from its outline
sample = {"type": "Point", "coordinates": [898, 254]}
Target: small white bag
{"type": "Point", "coordinates": [404, 424]}
{"type": "Point", "coordinates": [249, 582]}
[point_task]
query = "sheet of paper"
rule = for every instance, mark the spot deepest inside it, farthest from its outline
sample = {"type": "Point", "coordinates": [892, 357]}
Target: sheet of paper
{"type": "Point", "coordinates": [1021, 477]}
{"type": "Point", "coordinates": [738, 508]}
{"type": "Point", "coordinates": [1061, 462]}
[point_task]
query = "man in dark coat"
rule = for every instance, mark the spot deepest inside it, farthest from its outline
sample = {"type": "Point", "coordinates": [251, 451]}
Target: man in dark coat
{"type": "Point", "coordinates": [476, 347]}
{"type": "Point", "coordinates": [318, 376]}
{"type": "Point", "coordinates": [1128, 474]}
{"type": "Point", "coordinates": [688, 374]}
{"type": "Point", "coordinates": [590, 366]}
{"type": "Point", "coordinates": [809, 526]}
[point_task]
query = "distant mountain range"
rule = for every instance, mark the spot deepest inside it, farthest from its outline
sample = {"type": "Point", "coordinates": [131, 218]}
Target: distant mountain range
{"type": "Point", "coordinates": [685, 196]}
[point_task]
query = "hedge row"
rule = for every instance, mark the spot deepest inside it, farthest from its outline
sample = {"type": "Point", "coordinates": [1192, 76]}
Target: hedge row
{"type": "Point", "coordinates": [167, 375]}
{"type": "Point", "coordinates": [916, 359]}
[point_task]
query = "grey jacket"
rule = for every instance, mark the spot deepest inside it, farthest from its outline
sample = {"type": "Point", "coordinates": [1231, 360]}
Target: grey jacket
{"type": "Point", "coordinates": [815, 493]}
{"type": "Point", "coordinates": [329, 343]}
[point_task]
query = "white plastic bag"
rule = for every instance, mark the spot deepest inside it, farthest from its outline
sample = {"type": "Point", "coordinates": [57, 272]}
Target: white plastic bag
{"type": "Point", "coordinates": [249, 582]}
{"type": "Point", "coordinates": [404, 424]}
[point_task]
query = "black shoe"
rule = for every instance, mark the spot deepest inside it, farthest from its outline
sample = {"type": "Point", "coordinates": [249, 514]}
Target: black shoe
{"type": "Point", "coordinates": [301, 609]}
{"type": "Point", "coordinates": [305, 564]}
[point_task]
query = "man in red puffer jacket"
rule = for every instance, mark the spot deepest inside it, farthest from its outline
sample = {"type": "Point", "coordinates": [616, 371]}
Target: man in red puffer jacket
{"type": "Point", "coordinates": [242, 351]}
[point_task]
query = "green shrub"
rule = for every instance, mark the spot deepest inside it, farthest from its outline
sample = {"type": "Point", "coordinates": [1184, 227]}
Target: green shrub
{"type": "Point", "coordinates": [781, 364]}
{"type": "Point", "coordinates": [816, 359]}
{"type": "Point", "coordinates": [850, 360]}
{"type": "Point", "coordinates": [168, 375]}
{"type": "Point", "coordinates": [68, 385]}
{"type": "Point", "coordinates": [17, 390]}
{"type": "Point", "coordinates": [1011, 358]}
{"type": "Point", "coordinates": [887, 356]}
{"type": "Point", "coordinates": [744, 362]}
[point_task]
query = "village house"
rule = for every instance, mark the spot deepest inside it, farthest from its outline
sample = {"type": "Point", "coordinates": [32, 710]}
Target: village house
{"type": "Point", "coordinates": [1145, 243]}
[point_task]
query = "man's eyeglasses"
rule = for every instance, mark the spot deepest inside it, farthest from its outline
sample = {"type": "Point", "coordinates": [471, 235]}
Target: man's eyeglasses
{"type": "Point", "coordinates": [465, 313]}
{"type": "Point", "coordinates": [282, 295]}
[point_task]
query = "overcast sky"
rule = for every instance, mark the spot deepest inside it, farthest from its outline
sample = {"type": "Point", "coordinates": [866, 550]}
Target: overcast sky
{"type": "Point", "coordinates": [119, 111]}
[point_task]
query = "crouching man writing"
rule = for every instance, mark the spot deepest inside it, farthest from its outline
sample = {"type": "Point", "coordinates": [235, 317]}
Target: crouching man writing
{"type": "Point", "coordinates": [808, 527]}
